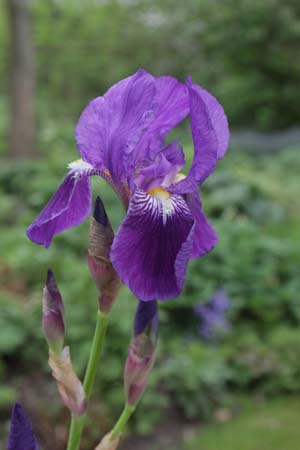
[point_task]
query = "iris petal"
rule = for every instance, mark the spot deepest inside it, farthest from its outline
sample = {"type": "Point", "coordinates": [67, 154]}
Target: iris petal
{"type": "Point", "coordinates": [172, 106]}
{"type": "Point", "coordinates": [21, 436]}
{"type": "Point", "coordinates": [205, 237]}
{"type": "Point", "coordinates": [161, 171]}
{"type": "Point", "coordinates": [110, 126]}
{"type": "Point", "coordinates": [210, 136]}
{"type": "Point", "coordinates": [69, 206]}
{"type": "Point", "coordinates": [218, 119]}
{"type": "Point", "coordinates": [117, 131]}
{"type": "Point", "coordinates": [152, 247]}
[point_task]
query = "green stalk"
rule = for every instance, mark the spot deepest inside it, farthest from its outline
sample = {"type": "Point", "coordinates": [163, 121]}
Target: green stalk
{"type": "Point", "coordinates": [77, 423]}
{"type": "Point", "coordinates": [119, 426]}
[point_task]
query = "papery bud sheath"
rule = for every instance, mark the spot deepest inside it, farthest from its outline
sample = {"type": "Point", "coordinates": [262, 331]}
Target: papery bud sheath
{"type": "Point", "coordinates": [69, 386]}
{"type": "Point", "coordinates": [108, 443]}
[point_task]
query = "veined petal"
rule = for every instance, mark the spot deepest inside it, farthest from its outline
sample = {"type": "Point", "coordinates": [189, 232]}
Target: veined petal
{"type": "Point", "coordinates": [117, 131]}
{"type": "Point", "coordinates": [161, 171]}
{"type": "Point", "coordinates": [69, 206]}
{"type": "Point", "coordinates": [174, 154]}
{"type": "Point", "coordinates": [210, 135]}
{"type": "Point", "coordinates": [152, 175]}
{"type": "Point", "coordinates": [172, 107]}
{"type": "Point", "coordinates": [21, 436]}
{"type": "Point", "coordinates": [218, 119]}
{"type": "Point", "coordinates": [152, 247]}
{"type": "Point", "coordinates": [110, 126]}
{"type": "Point", "coordinates": [205, 145]}
{"type": "Point", "coordinates": [205, 237]}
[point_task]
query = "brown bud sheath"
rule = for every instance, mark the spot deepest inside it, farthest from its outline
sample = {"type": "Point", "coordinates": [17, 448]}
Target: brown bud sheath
{"type": "Point", "coordinates": [108, 443]}
{"type": "Point", "coordinates": [68, 384]}
{"type": "Point", "coordinates": [53, 312]}
{"type": "Point", "coordinates": [137, 368]}
{"type": "Point", "coordinates": [100, 241]}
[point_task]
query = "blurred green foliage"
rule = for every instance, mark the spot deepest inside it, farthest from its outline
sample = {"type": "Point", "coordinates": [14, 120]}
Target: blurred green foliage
{"type": "Point", "coordinates": [246, 52]}
{"type": "Point", "coordinates": [271, 426]}
{"type": "Point", "coordinates": [253, 202]}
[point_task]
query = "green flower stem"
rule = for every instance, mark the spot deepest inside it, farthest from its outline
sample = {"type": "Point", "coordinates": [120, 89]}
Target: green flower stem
{"type": "Point", "coordinates": [119, 426]}
{"type": "Point", "coordinates": [77, 423]}
{"type": "Point", "coordinates": [97, 345]}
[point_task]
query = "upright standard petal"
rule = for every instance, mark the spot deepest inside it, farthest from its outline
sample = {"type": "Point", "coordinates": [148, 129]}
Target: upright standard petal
{"type": "Point", "coordinates": [111, 126]}
{"type": "Point", "coordinates": [152, 247]}
{"type": "Point", "coordinates": [218, 119]}
{"type": "Point", "coordinates": [210, 136]}
{"type": "Point", "coordinates": [21, 436]}
{"type": "Point", "coordinates": [205, 237]}
{"type": "Point", "coordinates": [69, 206]}
{"type": "Point", "coordinates": [172, 106]}
{"type": "Point", "coordinates": [205, 145]}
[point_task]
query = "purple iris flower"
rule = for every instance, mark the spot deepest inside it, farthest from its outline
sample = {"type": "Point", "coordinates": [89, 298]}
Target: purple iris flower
{"type": "Point", "coordinates": [21, 436]}
{"type": "Point", "coordinates": [121, 137]}
{"type": "Point", "coordinates": [213, 315]}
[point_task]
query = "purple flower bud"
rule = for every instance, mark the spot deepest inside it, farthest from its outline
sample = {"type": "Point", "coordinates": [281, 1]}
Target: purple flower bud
{"type": "Point", "coordinates": [53, 312]}
{"type": "Point", "coordinates": [100, 213]}
{"type": "Point", "coordinates": [100, 241]}
{"type": "Point", "coordinates": [146, 319]}
{"type": "Point", "coordinates": [21, 436]}
{"type": "Point", "coordinates": [141, 351]}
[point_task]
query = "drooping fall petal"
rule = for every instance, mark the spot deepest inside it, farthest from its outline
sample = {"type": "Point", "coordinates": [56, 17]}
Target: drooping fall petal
{"type": "Point", "coordinates": [205, 237]}
{"type": "Point", "coordinates": [69, 206]}
{"type": "Point", "coordinates": [152, 247]}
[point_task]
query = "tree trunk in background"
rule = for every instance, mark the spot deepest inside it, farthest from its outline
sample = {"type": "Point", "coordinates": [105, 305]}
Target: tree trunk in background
{"type": "Point", "coordinates": [22, 79]}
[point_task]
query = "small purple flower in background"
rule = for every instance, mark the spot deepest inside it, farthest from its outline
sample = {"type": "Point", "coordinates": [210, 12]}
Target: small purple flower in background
{"type": "Point", "coordinates": [121, 137]}
{"type": "Point", "coordinates": [21, 436]}
{"type": "Point", "coordinates": [213, 316]}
